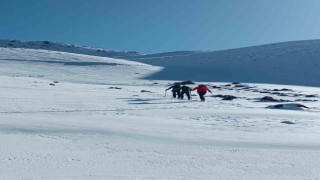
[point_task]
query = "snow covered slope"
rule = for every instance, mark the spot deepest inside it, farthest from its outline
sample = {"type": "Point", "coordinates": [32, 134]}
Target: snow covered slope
{"type": "Point", "coordinates": [54, 46]}
{"type": "Point", "coordinates": [70, 67]}
{"type": "Point", "coordinates": [294, 63]}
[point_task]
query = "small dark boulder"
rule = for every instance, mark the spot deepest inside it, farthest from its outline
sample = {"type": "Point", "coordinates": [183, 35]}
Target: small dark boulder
{"type": "Point", "coordinates": [286, 89]}
{"type": "Point", "coordinates": [288, 106]}
{"type": "Point", "coordinates": [264, 92]}
{"type": "Point", "coordinates": [269, 99]}
{"type": "Point", "coordinates": [282, 94]}
{"type": "Point", "coordinates": [215, 87]}
{"type": "Point", "coordinates": [242, 86]}
{"type": "Point", "coordinates": [288, 122]}
{"type": "Point", "coordinates": [229, 98]}
{"type": "Point", "coordinates": [307, 100]}
{"type": "Point", "coordinates": [218, 95]}
{"type": "Point", "coordinates": [311, 96]}
{"type": "Point", "coordinates": [145, 91]}
{"type": "Point", "coordinates": [114, 88]}
{"type": "Point", "coordinates": [225, 97]}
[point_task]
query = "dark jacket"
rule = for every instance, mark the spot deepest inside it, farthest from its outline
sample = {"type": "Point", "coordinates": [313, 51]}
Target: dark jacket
{"type": "Point", "coordinates": [185, 89]}
{"type": "Point", "coordinates": [175, 88]}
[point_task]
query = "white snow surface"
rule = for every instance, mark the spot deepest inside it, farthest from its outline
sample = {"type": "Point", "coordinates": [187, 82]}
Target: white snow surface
{"type": "Point", "coordinates": [95, 123]}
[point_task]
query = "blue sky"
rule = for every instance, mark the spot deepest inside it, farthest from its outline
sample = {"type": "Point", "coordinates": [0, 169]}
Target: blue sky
{"type": "Point", "coordinates": [161, 25]}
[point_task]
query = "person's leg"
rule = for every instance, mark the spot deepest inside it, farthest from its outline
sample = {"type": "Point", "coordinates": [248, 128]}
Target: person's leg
{"type": "Point", "coordinates": [201, 94]}
{"type": "Point", "coordinates": [181, 95]}
{"type": "Point", "coordinates": [174, 93]}
{"type": "Point", "coordinates": [188, 94]}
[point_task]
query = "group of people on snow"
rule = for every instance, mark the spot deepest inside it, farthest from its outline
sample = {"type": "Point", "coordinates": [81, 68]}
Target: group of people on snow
{"type": "Point", "coordinates": [179, 91]}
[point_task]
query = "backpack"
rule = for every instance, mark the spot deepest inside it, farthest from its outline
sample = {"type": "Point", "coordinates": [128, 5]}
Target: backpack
{"type": "Point", "coordinates": [202, 88]}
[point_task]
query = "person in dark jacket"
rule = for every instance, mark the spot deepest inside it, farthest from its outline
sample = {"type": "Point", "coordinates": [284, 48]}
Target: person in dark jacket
{"type": "Point", "coordinates": [202, 90]}
{"type": "Point", "coordinates": [185, 90]}
{"type": "Point", "coordinates": [175, 90]}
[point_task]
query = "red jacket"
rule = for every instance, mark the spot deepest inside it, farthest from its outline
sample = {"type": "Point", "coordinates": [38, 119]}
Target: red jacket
{"type": "Point", "coordinates": [202, 88]}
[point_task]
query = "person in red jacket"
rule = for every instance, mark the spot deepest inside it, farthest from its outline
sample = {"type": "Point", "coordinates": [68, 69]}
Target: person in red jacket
{"type": "Point", "coordinates": [202, 90]}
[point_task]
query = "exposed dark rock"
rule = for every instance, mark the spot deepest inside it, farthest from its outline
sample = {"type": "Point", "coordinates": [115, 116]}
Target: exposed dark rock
{"type": "Point", "coordinates": [241, 85]}
{"type": "Point", "coordinates": [236, 83]}
{"type": "Point", "coordinates": [229, 98]}
{"type": "Point", "coordinates": [225, 97]}
{"type": "Point", "coordinates": [186, 82]}
{"type": "Point", "coordinates": [311, 96]}
{"type": "Point", "coordinates": [52, 84]}
{"type": "Point", "coordinates": [301, 105]}
{"type": "Point", "coordinates": [288, 122]}
{"type": "Point", "coordinates": [282, 94]}
{"type": "Point", "coordinates": [215, 87]}
{"type": "Point", "coordinates": [275, 93]}
{"type": "Point", "coordinates": [285, 89]}
{"type": "Point", "coordinates": [145, 91]}
{"type": "Point", "coordinates": [114, 88]}
{"type": "Point", "coordinates": [288, 106]}
{"type": "Point", "coordinates": [218, 95]}
{"type": "Point", "coordinates": [278, 106]}
{"type": "Point", "coordinates": [307, 100]}
{"type": "Point", "coordinates": [269, 99]}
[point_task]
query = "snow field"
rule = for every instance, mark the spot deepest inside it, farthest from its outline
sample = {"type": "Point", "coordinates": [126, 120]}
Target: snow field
{"type": "Point", "coordinates": [87, 131]}
{"type": "Point", "coordinates": [69, 116]}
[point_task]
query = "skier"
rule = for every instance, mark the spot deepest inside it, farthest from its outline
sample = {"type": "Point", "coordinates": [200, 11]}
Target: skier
{"type": "Point", "coordinates": [202, 90]}
{"type": "Point", "coordinates": [185, 90]}
{"type": "Point", "coordinates": [175, 90]}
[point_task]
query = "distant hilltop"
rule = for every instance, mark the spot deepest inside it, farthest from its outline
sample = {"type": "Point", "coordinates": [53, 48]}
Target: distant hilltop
{"type": "Point", "coordinates": [55, 46]}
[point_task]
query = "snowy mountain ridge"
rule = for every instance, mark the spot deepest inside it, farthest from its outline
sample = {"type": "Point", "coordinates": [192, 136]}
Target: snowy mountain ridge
{"type": "Point", "coordinates": [62, 47]}
{"type": "Point", "coordinates": [291, 63]}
